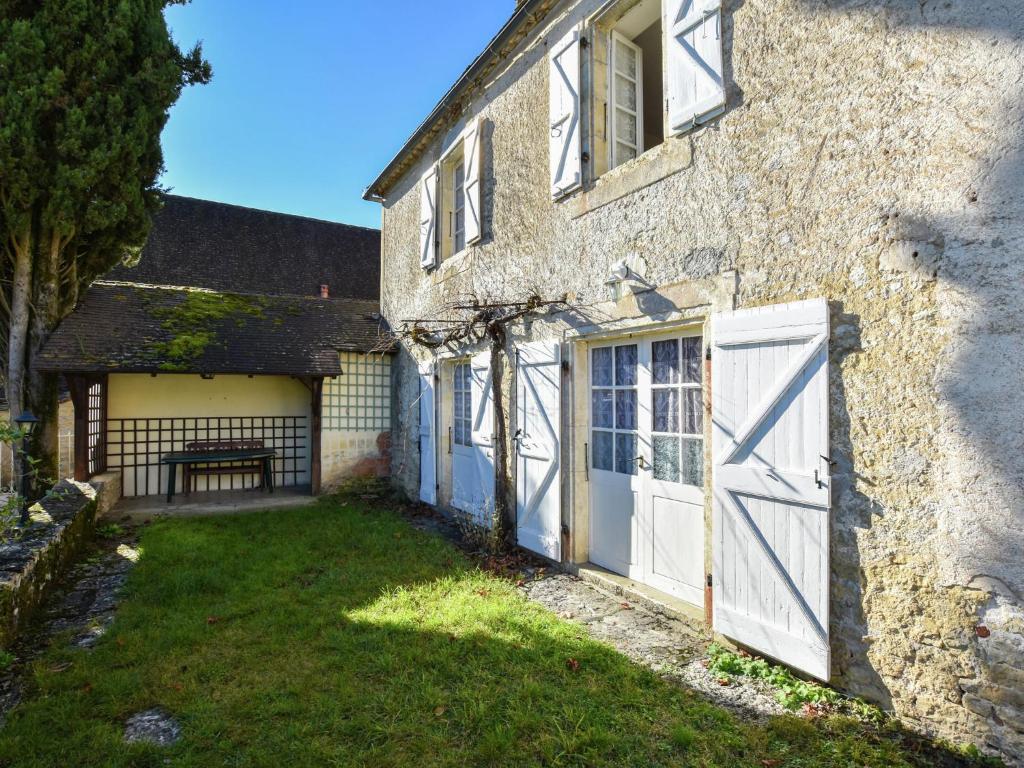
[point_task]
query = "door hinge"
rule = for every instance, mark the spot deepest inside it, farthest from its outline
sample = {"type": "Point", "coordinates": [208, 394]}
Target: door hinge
{"type": "Point", "coordinates": [586, 462]}
{"type": "Point", "coordinates": [707, 352]}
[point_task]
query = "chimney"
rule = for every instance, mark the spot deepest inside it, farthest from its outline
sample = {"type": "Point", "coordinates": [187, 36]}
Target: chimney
{"type": "Point", "coordinates": [325, 291]}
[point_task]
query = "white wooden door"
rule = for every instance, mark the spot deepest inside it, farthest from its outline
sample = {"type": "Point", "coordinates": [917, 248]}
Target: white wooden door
{"type": "Point", "coordinates": [460, 441]}
{"type": "Point", "coordinates": [538, 408]}
{"type": "Point", "coordinates": [647, 461]}
{"type": "Point", "coordinates": [428, 442]}
{"type": "Point", "coordinates": [671, 522]}
{"type": "Point", "coordinates": [615, 482]}
{"type": "Point", "coordinates": [771, 482]}
{"type": "Point", "coordinates": [482, 438]}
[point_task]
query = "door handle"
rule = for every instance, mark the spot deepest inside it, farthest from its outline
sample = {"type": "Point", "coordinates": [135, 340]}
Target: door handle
{"type": "Point", "coordinates": [642, 462]}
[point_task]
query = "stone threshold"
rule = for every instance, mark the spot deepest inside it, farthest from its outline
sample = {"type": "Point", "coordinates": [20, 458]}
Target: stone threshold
{"type": "Point", "coordinates": [652, 599]}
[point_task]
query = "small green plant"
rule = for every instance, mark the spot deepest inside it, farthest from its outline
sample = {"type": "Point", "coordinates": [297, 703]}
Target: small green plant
{"type": "Point", "coordinates": [6, 659]}
{"type": "Point", "coordinates": [110, 531]}
{"type": "Point", "coordinates": [791, 692]}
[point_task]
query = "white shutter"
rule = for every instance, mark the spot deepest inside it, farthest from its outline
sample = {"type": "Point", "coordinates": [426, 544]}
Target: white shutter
{"type": "Point", "coordinates": [694, 77]}
{"type": "Point", "coordinates": [472, 158]}
{"type": "Point", "coordinates": [428, 442]}
{"type": "Point", "coordinates": [565, 114]}
{"type": "Point", "coordinates": [428, 218]}
{"type": "Point", "coordinates": [770, 517]}
{"type": "Point", "coordinates": [538, 487]}
{"type": "Point", "coordinates": [482, 438]}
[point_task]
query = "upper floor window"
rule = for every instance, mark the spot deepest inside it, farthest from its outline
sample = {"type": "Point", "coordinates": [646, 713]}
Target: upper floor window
{"type": "Point", "coordinates": [629, 98]}
{"type": "Point", "coordinates": [450, 197]}
{"type": "Point", "coordinates": [656, 71]}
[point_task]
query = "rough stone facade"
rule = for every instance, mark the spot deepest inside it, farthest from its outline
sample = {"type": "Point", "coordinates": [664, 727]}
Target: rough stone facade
{"type": "Point", "coordinates": [870, 153]}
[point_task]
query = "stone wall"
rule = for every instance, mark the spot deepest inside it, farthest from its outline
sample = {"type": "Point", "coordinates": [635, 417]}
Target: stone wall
{"type": "Point", "coordinates": [34, 561]}
{"type": "Point", "coordinates": [870, 154]}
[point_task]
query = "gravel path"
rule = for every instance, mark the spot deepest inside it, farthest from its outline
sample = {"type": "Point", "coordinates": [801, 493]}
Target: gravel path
{"type": "Point", "coordinates": [669, 646]}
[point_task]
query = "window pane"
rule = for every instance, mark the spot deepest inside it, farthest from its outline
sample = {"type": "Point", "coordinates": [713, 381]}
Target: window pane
{"type": "Point", "coordinates": [691, 359]}
{"type": "Point", "coordinates": [602, 450]}
{"type": "Point", "coordinates": [666, 458]}
{"type": "Point", "coordinates": [693, 412]}
{"type": "Point", "coordinates": [457, 432]}
{"type": "Point", "coordinates": [623, 153]}
{"type": "Point", "coordinates": [625, 409]}
{"type": "Point", "coordinates": [666, 361]}
{"type": "Point", "coordinates": [693, 461]}
{"type": "Point", "coordinates": [625, 59]}
{"type": "Point", "coordinates": [625, 127]}
{"type": "Point", "coordinates": [625, 365]}
{"type": "Point", "coordinates": [467, 407]}
{"type": "Point", "coordinates": [601, 367]}
{"type": "Point", "coordinates": [625, 93]}
{"type": "Point", "coordinates": [457, 405]}
{"type": "Point", "coordinates": [601, 400]}
{"type": "Point", "coordinates": [625, 454]}
{"type": "Point", "coordinates": [666, 410]}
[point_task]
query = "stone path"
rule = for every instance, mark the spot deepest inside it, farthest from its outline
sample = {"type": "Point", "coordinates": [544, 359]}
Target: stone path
{"type": "Point", "coordinates": [673, 648]}
{"type": "Point", "coordinates": [82, 606]}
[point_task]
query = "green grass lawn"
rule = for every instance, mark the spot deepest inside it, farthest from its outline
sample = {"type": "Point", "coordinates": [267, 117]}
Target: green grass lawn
{"type": "Point", "coordinates": [336, 635]}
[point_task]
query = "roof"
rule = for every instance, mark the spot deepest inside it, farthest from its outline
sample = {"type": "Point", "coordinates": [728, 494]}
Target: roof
{"type": "Point", "coordinates": [128, 328]}
{"type": "Point", "coordinates": [224, 247]}
{"type": "Point", "coordinates": [526, 16]}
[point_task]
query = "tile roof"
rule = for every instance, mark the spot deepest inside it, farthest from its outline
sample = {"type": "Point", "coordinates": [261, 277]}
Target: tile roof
{"type": "Point", "coordinates": [224, 247]}
{"type": "Point", "coordinates": [131, 328]}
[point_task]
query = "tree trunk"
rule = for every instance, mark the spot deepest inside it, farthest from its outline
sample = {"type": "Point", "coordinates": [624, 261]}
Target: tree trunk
{"type": "Point", "coordinates": [17, 344]}
{"type": "Point", "coordinates": [41, 392]}
{"type": "Point", "coordinates": [502, 482]}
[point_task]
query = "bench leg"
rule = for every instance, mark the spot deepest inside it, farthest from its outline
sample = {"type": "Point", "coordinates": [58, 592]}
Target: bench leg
{"type": "Point", "coordinates": [171, 472]}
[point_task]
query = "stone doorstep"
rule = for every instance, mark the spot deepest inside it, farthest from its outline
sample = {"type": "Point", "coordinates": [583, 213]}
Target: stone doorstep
{"type": "Point", "coordinates": [651, 599]}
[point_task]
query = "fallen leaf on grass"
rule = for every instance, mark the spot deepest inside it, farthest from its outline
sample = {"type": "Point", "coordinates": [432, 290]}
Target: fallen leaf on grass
{"type": "Point", "coordinates": [521, 583]}
{"type": "Point", "coordinates": [212, 619]}
{"type": "Point", "coordinates": [483, 592]}
{"type": "Point", "coordinates": [724, 681]}
{"type": "Point", "coordinates": [572, 664]}
{"type": "Point", "coordinates": [177, 686]}
{"type": "Point", "coordinates": [810, 711]}
{"type": "Point", "coordinates": [438, 711]}
{"type": "Point", "coordinates": [64, 667]}
{"type": "Point", "coordinates": [770, 763]}
{"type": "Point", "coordinates": [87, 688]}
{"type": "Point", "coordinates": [626, 606]}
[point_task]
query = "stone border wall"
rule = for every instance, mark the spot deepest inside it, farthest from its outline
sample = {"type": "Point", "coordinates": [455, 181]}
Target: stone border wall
{"type": "Point", "coordinates": [31, 564]}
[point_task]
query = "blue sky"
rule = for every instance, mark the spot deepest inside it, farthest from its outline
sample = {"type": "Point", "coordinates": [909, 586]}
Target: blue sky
{"type": "Point", "coordinates": [310, 99]}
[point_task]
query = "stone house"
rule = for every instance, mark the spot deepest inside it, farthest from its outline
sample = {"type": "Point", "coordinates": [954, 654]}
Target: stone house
{"type": "Point", "coordinates": [236, 324]}
{"type": "Point", "coordinates": [789, 232]}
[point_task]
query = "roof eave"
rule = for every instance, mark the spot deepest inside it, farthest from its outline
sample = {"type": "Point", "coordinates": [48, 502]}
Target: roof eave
{"type": "Point", "coordinates": [375, 192]}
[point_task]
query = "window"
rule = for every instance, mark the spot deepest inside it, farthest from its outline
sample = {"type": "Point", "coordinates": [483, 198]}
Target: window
{"type": "Point", "coordinates": [677, 411]}
{"type": "Point", "coordinates": [453, 203]}
{"type": "Point", "coordinates": [462, 406]}
{"type": "Point", "coordinates": [631, 118]}
{"type": "Point", "coordinates": [450, 193]}
{"type": "Point", "coordinates": [656, 70]}
{"type": "Point", "coordinates": [613, 399]}
{"type": "Point", "coordinates": [458, 226]}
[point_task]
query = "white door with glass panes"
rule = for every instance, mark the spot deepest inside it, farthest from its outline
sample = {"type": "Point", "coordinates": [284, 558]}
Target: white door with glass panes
{"type": "Point", "coordinates": [647, 461]}
{"type": "Point", "coordinates": [460, 439]}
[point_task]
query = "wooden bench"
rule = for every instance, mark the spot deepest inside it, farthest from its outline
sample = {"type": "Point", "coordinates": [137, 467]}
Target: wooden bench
{"type": "Point", "coordinates": [190, 471]}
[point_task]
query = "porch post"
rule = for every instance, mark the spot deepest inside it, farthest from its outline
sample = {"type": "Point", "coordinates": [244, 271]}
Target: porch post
{"type": "Point", "coordinates": [317, 389]}
{"type": "Point", "coordinates": [78, 386]}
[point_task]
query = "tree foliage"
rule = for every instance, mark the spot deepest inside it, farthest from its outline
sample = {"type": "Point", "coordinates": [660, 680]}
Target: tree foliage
{"type": "Point", "coordinates": [85, 90]}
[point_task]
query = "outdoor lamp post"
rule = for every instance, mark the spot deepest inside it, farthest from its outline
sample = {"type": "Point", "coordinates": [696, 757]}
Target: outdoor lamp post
{"type": "Point", "coordinates": [26, 423]}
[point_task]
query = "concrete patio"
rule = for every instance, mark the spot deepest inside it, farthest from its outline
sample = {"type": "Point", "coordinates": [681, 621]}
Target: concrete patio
{"type": "Point", "coordinates": [142, 508]}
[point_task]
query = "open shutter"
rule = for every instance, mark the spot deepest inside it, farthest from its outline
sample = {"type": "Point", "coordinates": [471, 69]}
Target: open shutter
{"type": "Point", "coordinates": [771, 481]}
{"type": "Point", "coordinates": [538, 490]}
{"type": "Point", "coordinates": [565, 115]}
{"type": "Point", "coordinates": [693, 44]}
{"type": "Point", "coordinates": [472, 158]}
{"type": "Point", "coordinates": [482, 437]}
{"type": "Point", "coordinates": [428, 218]}
{"type": "Point", "coordinates": [428, 442]}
